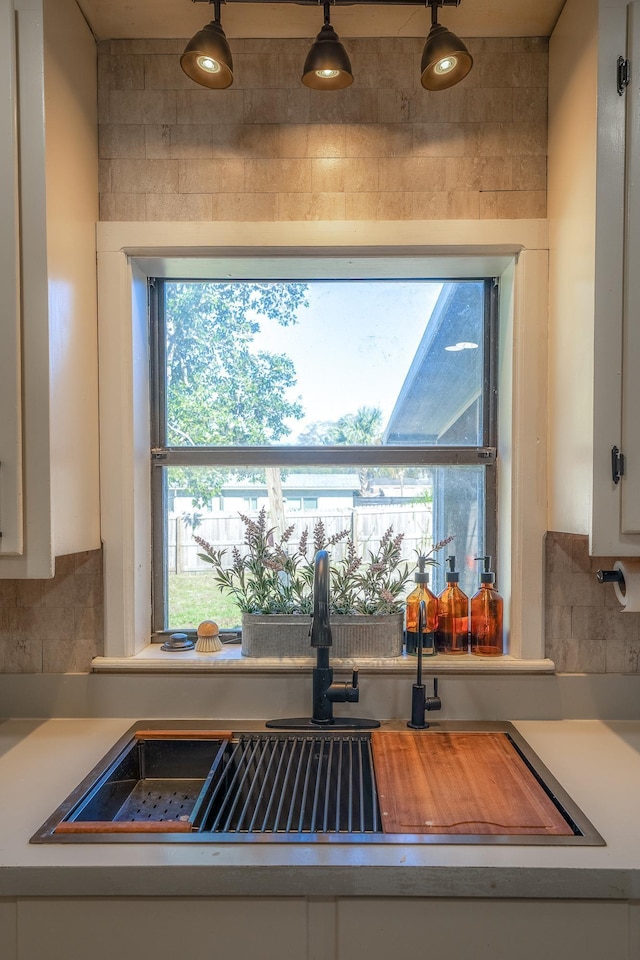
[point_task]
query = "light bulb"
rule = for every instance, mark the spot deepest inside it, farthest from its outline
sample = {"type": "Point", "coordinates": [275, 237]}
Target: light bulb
{"type": "Point", "coordinates": [208, 64]}
{"type": "Point", "coordinates": [327, 74]}
{"type": "Point", "coordinates": [445, 65]}
{"type": "Point", "coordinates": [461, 345]}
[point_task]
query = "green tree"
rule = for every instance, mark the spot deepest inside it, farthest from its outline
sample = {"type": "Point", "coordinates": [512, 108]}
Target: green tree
{"type": "Point", "coordinates": [317, 434]}
{"type": "Point", "coordinates": [362, 428]}
{"type": "Point", "coordinates": [220, 388]}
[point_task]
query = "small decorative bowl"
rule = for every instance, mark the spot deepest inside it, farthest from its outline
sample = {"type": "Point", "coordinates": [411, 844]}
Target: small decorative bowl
{"type": "Point", "coordinates": [177, 642]}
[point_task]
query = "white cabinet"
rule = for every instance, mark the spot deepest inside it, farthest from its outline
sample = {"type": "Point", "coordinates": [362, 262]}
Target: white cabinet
{"type": "Point", "coordinates": [10, 399]}
{"type": "Point", "coordinates": [594, 362]}
{"type": "Point", "coordinates": [11, 516]}
{"type": "Point", "coordinates": [49, 502]}
{"type": "Point", "coordinates": [630, 435]}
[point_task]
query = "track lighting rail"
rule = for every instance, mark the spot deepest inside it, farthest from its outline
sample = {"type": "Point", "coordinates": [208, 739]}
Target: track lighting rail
{"type": "Point", "coordinates": [207, 58]}
{"type": "Point", "coordinates": [351, 3]}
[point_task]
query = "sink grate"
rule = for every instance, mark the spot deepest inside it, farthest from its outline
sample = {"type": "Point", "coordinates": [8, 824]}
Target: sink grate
{"type": "Point", "coordinates": [160, 800]}
{"type": "Point", "coordinates": [282, 783]}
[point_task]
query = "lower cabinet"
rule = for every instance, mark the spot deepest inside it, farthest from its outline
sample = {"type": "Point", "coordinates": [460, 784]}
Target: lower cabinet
{"type": "Point", "coordinates": [483, 929]}
{"type": "Point", "coordinates": [317, 929]}
{"type": "Point", "coordinates": [167, 929]}
{"type": "Point", "coordinates": [8, 923]}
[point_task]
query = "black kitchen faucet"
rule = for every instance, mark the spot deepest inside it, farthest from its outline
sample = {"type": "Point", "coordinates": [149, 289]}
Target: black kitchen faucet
{"type": "Point", "coordinates": [325, 691]}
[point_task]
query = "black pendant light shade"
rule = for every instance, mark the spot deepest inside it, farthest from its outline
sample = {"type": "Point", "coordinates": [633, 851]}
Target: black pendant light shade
{"type": "Point", "coordinates": [327, 66]}
{"type": "Point", "coordinates": [445, 59]}
{"type": "Point", "coordinates": [207, 57]}
{"type": "Point", "coordinates": [208, 61]}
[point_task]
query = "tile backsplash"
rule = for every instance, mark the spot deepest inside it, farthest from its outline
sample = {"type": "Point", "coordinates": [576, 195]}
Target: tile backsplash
{"type": "Point", "coordinates": [586, 630]}
{"type": "Point", "coordinates": [270, 149]}
{"type": "Point", "coordinates": [56, 626]}
{"type": "Point", "coordinates": [53, 626]}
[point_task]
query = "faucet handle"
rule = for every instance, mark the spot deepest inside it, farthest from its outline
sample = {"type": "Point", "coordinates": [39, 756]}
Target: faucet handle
{"type": "Point", "coordinates": [352, 693]}
{"type": "Point", "coordinates": [434, 702]}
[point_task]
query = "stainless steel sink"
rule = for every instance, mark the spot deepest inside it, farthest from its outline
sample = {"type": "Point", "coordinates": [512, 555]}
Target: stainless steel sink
{"type": "Point", "coordinates": [191, 783]}
{"type": "Point", "coordinates": [152, 783]}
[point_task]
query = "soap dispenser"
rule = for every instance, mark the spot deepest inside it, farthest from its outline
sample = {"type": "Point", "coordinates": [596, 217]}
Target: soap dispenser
{"type": "Point", "coordinates": [421, 592]}
{"type": "Point", "coordinates": [486, 615]}
{"type": "Point", "coordinates": [452, 635]}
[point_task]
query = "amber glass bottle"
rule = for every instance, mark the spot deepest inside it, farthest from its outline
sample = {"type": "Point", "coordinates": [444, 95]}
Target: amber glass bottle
{"type": "Point", "coordinates": [421, 592]}
{"type": "Point", "coordinates": [452, 635]}
{"type": "Point", "coordinates": [486, 616]}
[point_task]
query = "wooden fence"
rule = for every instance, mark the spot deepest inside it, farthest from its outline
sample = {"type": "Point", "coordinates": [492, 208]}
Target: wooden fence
{"type": "Point", "coordinates": [366, 526]}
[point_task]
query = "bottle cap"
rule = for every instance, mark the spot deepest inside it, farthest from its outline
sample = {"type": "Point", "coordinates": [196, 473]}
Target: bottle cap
{"type": "Point", "coordinates": [452, 575]}
{"type": "Point", "coordinates": [487, 575]}
{"type": "Point", "coordinates": [421, 576]}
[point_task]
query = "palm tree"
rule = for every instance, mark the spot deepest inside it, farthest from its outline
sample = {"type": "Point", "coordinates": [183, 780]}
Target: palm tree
{"type": "Point", "coordinates": [363, 429]}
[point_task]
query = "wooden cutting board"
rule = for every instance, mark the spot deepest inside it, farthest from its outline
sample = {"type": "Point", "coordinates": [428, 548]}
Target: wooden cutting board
{"type": "Point", "coordinates": [458, 782]}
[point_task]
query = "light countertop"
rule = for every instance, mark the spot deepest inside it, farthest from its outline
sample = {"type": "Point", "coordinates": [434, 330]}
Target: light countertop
{"type": "Point", "coordinates": [597, 763]}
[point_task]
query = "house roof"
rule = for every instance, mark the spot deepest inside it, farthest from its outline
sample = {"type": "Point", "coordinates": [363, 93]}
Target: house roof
{"type": "Point", "coordinates": [312, 482]}
{"type": "Point", "coordinates": [442, 384]}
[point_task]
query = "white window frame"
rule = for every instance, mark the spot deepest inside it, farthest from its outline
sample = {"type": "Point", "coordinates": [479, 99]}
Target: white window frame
{"type": "Point", "coordinates": [128, 253]}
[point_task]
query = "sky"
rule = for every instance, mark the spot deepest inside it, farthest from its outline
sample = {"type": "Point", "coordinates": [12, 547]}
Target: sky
{"type": "Point", "coordinates": [353, 345]}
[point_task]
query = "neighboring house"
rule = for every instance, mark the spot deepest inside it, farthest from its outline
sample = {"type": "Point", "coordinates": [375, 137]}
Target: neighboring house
{"type": "Point", "coordinates": [441, 388]}
{"type": "Point", "coordinates": [442, 391]}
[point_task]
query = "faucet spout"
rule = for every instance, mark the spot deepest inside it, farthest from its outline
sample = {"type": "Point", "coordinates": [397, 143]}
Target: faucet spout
{"type": "Point", "coordinates": [325, 692]}
{"type": "Point", "coordinates": [420, 702]}
{"type": "Point", "coordinates": [320, 625]}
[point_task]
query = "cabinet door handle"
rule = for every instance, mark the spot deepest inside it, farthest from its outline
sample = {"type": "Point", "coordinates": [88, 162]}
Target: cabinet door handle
{"type": "Point", "coordinates": [617, 465]}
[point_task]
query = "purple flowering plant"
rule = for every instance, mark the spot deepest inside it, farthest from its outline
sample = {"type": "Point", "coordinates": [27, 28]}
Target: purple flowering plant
{"type": "Point", "coordinates": [274, 575]}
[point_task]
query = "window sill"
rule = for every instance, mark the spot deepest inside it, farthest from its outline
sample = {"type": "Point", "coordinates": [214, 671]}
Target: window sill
{"type": "Point", "coordinates": [229, 660]}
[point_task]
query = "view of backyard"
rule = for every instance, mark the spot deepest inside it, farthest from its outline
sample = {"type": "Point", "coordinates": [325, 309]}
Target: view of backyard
{"type": "Point", "coordinates": [317, 365]}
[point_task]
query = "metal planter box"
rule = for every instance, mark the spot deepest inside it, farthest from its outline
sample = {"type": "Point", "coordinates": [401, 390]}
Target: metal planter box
{"type": "Point", "coordinates": [281, 635]}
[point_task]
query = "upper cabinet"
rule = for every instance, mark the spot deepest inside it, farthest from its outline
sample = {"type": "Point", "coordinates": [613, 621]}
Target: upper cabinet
{"type": "Point", "coordinates": [594, 363]}
{"type": "Point", "coordinates": [49, 499]}
{"type": "Point", "coordinates": [11, 517]}
{"type": "Point", "coordinates": [630, 433]}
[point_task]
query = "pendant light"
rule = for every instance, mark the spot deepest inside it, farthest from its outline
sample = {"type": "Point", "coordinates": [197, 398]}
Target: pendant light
{"type": "Point", "coordinates": [445, 59]}
{"type": "Point", "coordinates": [207, 57]}
{"type": "Point", "coordinates": [327, 66]}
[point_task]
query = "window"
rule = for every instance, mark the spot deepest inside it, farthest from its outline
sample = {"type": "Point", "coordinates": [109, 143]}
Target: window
{"type": "Point", "coordinates": [363, 404]}
{"type": "Point", "coordinates": [515, 251]}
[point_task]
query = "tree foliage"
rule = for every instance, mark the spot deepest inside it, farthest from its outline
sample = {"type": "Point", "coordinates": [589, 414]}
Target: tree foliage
{"type": "Point", "coordinates": [362, 428]}
{"type": "Point", "coordinates": [222, 390]}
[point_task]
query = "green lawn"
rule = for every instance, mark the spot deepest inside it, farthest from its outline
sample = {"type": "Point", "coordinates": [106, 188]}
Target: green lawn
{"type": "Point", "coordinates": [193, 597]}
